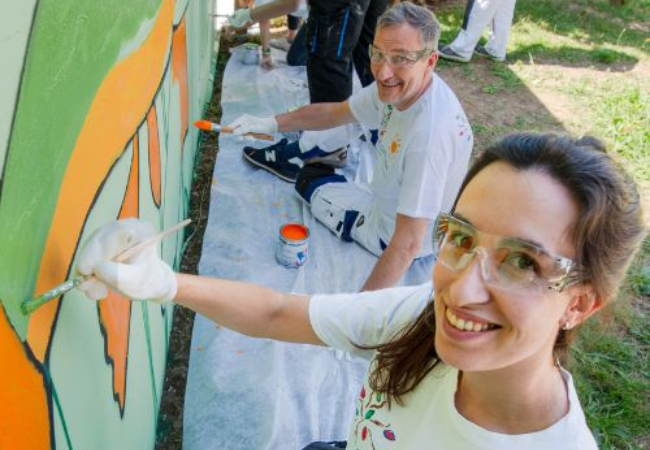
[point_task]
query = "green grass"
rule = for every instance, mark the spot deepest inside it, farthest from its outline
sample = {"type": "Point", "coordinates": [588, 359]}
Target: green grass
{"type": "Point", "coordinates": [618, 112]}
{"type": "Point", "coordinates": [577, 31]}
{"type": "Point", "coordinates": [508, 77]}
{"type": "Point", "coordinates": [610, 364]}
{"type": "Point", "coordinates": [610, 359]}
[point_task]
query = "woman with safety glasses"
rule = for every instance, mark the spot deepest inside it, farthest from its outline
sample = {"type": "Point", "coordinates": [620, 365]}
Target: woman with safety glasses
{"type": "Point", "coordinates": [539, 240]}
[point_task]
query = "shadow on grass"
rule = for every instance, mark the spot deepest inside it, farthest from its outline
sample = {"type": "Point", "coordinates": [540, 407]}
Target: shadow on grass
{"type": "Point", "coordinates": [603, 59]}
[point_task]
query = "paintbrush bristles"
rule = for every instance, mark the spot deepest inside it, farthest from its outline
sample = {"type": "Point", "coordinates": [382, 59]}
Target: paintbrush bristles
{"type": "Point", "coordinates": [206, 125]}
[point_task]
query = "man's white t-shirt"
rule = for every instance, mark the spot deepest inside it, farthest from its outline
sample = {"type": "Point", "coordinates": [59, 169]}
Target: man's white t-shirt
{"type": "Point", "coordinates": [422, 153]}
{"type": "Point", "coordinates": [429, 419]}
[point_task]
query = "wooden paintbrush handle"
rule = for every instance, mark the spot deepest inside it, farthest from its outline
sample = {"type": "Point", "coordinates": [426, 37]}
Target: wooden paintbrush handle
{"type": "Point", "coordinates": [137, 248]}
{"type": "Point", "coordinates": [261, 136]}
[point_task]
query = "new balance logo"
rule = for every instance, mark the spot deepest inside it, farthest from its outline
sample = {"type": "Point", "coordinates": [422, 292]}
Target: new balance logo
{"type": "Point", "coordinates": [269, 155]}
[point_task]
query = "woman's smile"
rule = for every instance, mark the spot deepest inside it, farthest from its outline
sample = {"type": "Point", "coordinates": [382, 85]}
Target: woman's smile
{"type": "Point", "coordinates": [468, 324]}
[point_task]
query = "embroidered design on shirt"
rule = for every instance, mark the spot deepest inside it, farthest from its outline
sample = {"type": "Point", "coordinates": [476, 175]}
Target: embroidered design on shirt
{"type": "Point", "coordinates": [395, 146]}
{"type": "Point", "coordinates": [464, 130]}
{"type": "Point", "coordinates": [385, 118]}
{"type": "Point", "coordinates": [366, 426]}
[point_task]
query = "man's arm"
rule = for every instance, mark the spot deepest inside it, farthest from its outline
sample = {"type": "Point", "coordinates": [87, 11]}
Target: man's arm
{"type": "Point", "coordinates": [245, 17]}
{"type": "Point", "coordinates": [274, 9]}
{"type": "Point", "coordinates": [400, 253]}
{"type": "Point", "coordinates": [248, 309]}
{"type": "Point", "coordinates": [316, 116]}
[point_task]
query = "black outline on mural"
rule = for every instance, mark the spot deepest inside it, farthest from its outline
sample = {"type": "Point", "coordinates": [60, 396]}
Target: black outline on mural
{"type": "Point", "coordinates": [174, 28]}
{"type": "Point", "coordinates": [17, 101]}
{"type": "Point", "coordinates": [164, 311]}
{"type": "Point", "coordinates": [146, 125]}
{"type": "Point", "coordinates": [108, 174]}
{"type": "Point", "coordinates": [45, 377]}
{"type": "Point", "coordinates": [111, 362]}
{"type": "Point", "coordinates": [107, 358]}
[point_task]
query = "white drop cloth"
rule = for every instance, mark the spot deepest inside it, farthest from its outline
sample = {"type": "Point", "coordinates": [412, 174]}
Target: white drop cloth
{"type": "Point", "coordinates": [256, 394]}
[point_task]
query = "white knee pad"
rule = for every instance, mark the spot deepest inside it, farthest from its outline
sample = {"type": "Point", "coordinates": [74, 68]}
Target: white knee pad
{"type": "Point", "coordinates": [328, 213]}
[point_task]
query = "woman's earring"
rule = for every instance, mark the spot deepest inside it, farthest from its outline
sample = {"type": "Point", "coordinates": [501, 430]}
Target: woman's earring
{"type": "Point", "coordinates": [566, 326]}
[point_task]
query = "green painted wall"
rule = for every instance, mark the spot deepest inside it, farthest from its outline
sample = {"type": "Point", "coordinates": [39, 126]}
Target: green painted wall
{"type": "Point", "coordinates": [96, 102]}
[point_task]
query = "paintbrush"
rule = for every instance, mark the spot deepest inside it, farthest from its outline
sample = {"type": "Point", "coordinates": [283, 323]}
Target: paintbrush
{"type": "Point", "coordinates": [29, 306]}
{"type": "Point", "coordinates": [206, 125]}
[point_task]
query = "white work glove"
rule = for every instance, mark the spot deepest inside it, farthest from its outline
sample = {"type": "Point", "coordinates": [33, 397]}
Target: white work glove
{"type": "Point", "coordinates": [251, 124]}
{"type": "Point", "coordinates": [144, 276]}
{"type": "Point", "coordinates": [241, 18]}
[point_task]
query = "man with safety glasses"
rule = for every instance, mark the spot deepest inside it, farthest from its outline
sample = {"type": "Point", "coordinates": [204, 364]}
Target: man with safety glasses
{"type": "Point", "coordinates": [423, 148]}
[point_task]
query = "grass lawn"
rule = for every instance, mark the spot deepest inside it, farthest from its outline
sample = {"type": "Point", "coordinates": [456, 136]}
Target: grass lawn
{"type": "Point", "coordinates": [581, 67]}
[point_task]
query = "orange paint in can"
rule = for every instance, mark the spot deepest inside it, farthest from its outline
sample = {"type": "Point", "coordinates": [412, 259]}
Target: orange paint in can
{"type": "Point", "coordinates": [294, 232]}
{"type": "Point", "coordinates": [292, 248]}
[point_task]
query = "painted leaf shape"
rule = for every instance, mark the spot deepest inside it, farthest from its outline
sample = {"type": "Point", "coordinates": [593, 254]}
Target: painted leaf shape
{"type": "Point", "coordinates": [364, 433]}
{"type": "Point", "coordinates": [389, 434]}
{"type": "Point", "coordinates": [24, 414]}
{"type": "Point", "coordinates": [369, 414]}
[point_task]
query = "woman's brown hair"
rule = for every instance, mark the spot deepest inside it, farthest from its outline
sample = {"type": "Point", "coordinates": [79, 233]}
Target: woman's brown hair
{"type": "Point", "coordinates": [607, 234]}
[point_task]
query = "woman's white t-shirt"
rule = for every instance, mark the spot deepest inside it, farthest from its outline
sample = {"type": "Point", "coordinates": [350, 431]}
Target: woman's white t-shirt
{"type": "Point", "coordinates": [428, 420]}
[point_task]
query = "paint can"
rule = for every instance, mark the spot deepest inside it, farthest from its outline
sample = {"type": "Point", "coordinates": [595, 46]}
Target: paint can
{"type": "Point", "coordinates": [249, 54]}
{"type": "Point", "coordinates": [292, 248]}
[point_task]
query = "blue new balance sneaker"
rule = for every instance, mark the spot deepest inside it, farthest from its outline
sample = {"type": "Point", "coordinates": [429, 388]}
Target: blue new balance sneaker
{"type": "Point", "coordinates": [285, 159]}
{"type": "Point", "coordinates": [280, 159]}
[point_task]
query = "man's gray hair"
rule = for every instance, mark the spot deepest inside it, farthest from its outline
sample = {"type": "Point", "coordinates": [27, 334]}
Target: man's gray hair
{"type": "Point", "coordinates": [416, 16]}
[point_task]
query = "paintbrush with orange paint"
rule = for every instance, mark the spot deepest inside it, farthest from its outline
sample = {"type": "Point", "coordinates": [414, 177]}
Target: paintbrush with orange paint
{"type": "Point", "coordinates": [206, 125]}
{"type": "Point", "coordinates": [32, 305]}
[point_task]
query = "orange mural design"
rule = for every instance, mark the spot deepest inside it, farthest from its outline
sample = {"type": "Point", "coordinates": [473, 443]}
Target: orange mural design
{"type": "Point", "coordinates": [113, 116]}
{"type": "Point", "coordinates": [179, 68]}
{"type": "Point", "coordinates": [115, 310]}
{"type": "Point", "coordinates": [154, 155]}
{"type": "Point", "coordinates": [24, 416]}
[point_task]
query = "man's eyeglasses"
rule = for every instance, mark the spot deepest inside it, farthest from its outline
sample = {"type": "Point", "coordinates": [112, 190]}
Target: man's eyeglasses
{"type": "Point", "coordinates": [506, 262]}
{"type": "Point", "coordinates": [396, 60]}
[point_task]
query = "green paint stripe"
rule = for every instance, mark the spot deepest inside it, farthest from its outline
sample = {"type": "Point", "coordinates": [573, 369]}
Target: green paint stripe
{"type": "Point", "coordinates": [145, 318]}
{"type": "Point", "coordinates": [59, 409]}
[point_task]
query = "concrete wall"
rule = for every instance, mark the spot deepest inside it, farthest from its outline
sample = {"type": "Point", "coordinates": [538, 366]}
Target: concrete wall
{"type": "Point", "coordinates": [96, 102]}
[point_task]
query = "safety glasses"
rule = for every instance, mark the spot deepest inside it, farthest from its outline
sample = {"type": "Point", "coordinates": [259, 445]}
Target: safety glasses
{"type": "Point", "coordinates": [506, 262]}
{"type": "Point", "coordinates": [396, 60]}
